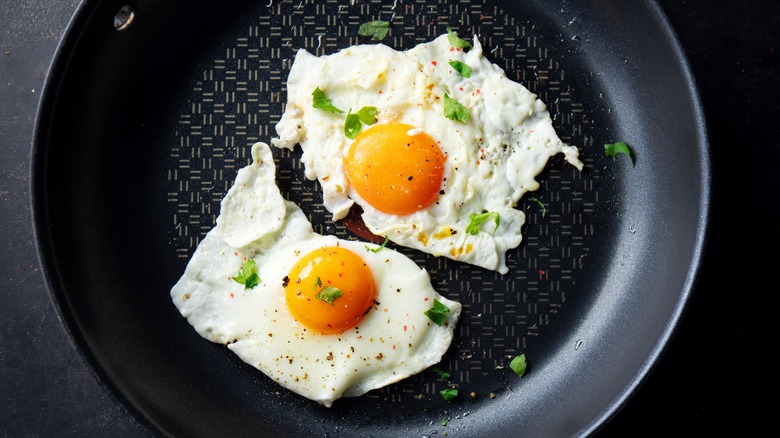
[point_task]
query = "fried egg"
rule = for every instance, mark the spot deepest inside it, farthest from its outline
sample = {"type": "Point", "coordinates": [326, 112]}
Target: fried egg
{"type": "Point", "coordinates": [442, 147]}
{"type": "Point", "coordinates": [324, 317]}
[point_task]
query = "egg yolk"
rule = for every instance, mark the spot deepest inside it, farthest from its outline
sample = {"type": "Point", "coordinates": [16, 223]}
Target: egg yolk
{"type": "Point", "coordinates": [330, 290]}
{"type": "Point", "coordinates": [395, 172]}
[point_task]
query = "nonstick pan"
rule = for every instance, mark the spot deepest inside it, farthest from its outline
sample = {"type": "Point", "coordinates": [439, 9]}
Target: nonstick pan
{"type": "Point", "coordinates": [150, 108]}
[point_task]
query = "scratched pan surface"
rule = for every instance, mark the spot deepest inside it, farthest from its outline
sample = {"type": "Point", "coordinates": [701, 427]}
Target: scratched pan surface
{"type": "Point", "coordinates": [141, 132]}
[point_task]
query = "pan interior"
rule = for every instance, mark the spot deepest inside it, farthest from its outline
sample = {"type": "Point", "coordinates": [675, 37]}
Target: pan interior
{"type": "Point", "coordinates": [148, 153]}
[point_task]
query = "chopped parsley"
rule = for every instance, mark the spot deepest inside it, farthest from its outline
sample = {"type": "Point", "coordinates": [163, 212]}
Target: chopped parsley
{"type": "Point", "coordinates": [443, 421]}
{"type": "Point", "coordinates": [329, 294]}
{"type": "Point", "coordinates": [541, 205]}
{"type": "Point", "coordinates": [321, 101]}
{"type": "Point", "coordinates": [376, 29]}
{"type": "Point", "coordinates": [247, 275]}
{"type": "Point", "coordinates": [518, 365]}
{"type": "Point", "coordinates": [442, 374]}
{"type": "Point", "coordinates": [437, 312]}
{"type": "Point", "coordinates": [317, 283]}
{"type": "Point", "coordinates": [453, 110]}
{"type": "Point", "coordinates": [354, 123]}
{"type": "Point", "coordinates": [456, 41]}
{"type": "Point", "coordinates": [612, 149]}
{"type": "Point", "coordinates": [478, 218]}
{"type": "Point", "coordinates": [378, 248]}
{"type": "Point", "coordinates": [449, 394]}
{"type": "Point", "coordinates": [461, 68]}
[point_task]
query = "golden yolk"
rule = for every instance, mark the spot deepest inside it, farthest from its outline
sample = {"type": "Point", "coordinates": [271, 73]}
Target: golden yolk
{"type": "Point", "coordinates": [326, 272]}
{"type": "Point", "coordinates": [395, 172]}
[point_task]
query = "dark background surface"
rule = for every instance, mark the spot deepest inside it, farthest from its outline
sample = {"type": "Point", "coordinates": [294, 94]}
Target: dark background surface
{"type": "Point", "coordinates": [715, 374]}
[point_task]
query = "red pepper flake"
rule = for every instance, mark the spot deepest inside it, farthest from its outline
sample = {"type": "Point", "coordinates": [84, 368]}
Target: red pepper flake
{"type": "Point", "coordinates": [426, 299]}
{"type": "Point", "coordinates": [542, 272]}
{"type": "Point", "coordinates": [231, 295]}
{"type": "Point", "coordinates": [404, 328]}
{"type": "Point", "coordinates": [433, 63]}
{"type": "Point", "coordinates": [461, 88]}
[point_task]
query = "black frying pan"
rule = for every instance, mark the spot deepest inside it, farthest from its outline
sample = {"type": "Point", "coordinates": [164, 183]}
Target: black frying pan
{"type": "Point", "coordinates": [146, 118]}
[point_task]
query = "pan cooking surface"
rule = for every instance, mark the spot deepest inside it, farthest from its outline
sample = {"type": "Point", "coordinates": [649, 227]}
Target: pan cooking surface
{"type": "Point", "coordinates": [238, 96]}
{"type": "Point", "coordinates": [588, 299]}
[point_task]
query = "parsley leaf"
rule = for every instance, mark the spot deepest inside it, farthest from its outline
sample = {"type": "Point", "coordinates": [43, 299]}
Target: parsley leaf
{"type": "Point", "coordinates": [449, 394]}
{"type": "Point", "coordinates": [329, 294]}
{"type": "Point", "coordinates": [321, 101]}
{"type": "Point", "coordinates": [541, 205]}
{"type": "Point", "coordinates": [247, 275]}
{"type": "Point", "coordinates": [478, 218]}
{"type": "Point", "coordinates": [442, 374]}
{"type": "Point", "coordinates": [379, 248]}
{"type": "Point", "coordinates": [317, 283]}
{"type": "Point", "coordinates": [352, 126]}
{"type": "Point", "coordinates": [437, 312]}
{"type": "Point", "coordinates": [454, 110]}
{"type": "Point", "coordinates": [367, 115]}
{"type": "Point", "coordinates": [376, 29]}
{"type": "Point", "coordinates": [456, 41]}
{"type": "Point", "coordinates": [518, 365]}
{"type": "Point", "coordinates": [354, 123]}
{"type": "Point", "coordinates": [461, 68]}
{"type": "Point", "coordinates": [619, 148]}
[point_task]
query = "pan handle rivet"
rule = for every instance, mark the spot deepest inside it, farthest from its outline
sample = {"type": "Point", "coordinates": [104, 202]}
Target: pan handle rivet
{"type": "Point", "coordinates": [124, 18]}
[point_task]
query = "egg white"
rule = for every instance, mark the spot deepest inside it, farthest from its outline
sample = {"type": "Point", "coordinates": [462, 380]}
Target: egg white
{"type": "Point", "coordinates": [491, 161]}
{"type": "Point", "coordinates": [394, 340]}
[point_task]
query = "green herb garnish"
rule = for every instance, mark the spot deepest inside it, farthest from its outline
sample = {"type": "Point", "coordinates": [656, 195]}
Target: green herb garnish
{"type": "Point", "coordinates": [376, 29]}
{"type": "Point", "coordinates": [478, 218]}
{"type": "Point", "coordinates": [453, 110]}
{"type": "Point", "coordinates": [367, 115]}
{"type": "Point", "coordinates": [541, 205]}
{"type": "Point", "coordinates": [354, 123]}
{"type": "Point", "coordinates": [317, 283]}
{"type": "Point", "coordinates": [321, 101]}
{"type": "Point", "coordinates": [461, 68]}
{"type": "Point", "coordinates": [442, 374]}
{"type": "Point", "coordinates": [437, 312]}
{"type": "Point", "coordinates": [329, 294]}
{"type": "Point", "coordinates": [456, 41]}
{"type": "Point", "coordinates": [247, 275]}
{"type": "Point", "coordinates": [613, 149]}
{"type": "Point", "coordinates": [518, 365]}
{"type": "Point", "coordinates": [449, 394]}
{"type": "Point", "coordinates": [443, 421]}
{"type": "Point", "coordinates": [378, 248]}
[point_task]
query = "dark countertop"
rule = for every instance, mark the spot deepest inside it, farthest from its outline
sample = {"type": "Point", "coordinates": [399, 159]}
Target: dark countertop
{"type": "Point", "coordinates": [716, 371]}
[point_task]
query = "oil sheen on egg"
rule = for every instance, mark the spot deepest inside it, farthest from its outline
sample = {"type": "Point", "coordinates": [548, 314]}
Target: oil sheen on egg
{"type": "Point", "coordinates": [373, 333]}
{"type": "Point", "coordinates": [418, 175]}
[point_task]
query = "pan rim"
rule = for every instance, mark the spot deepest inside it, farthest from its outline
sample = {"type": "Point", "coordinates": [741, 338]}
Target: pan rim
{"type": "Point", "coordinates": [70, 38]}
